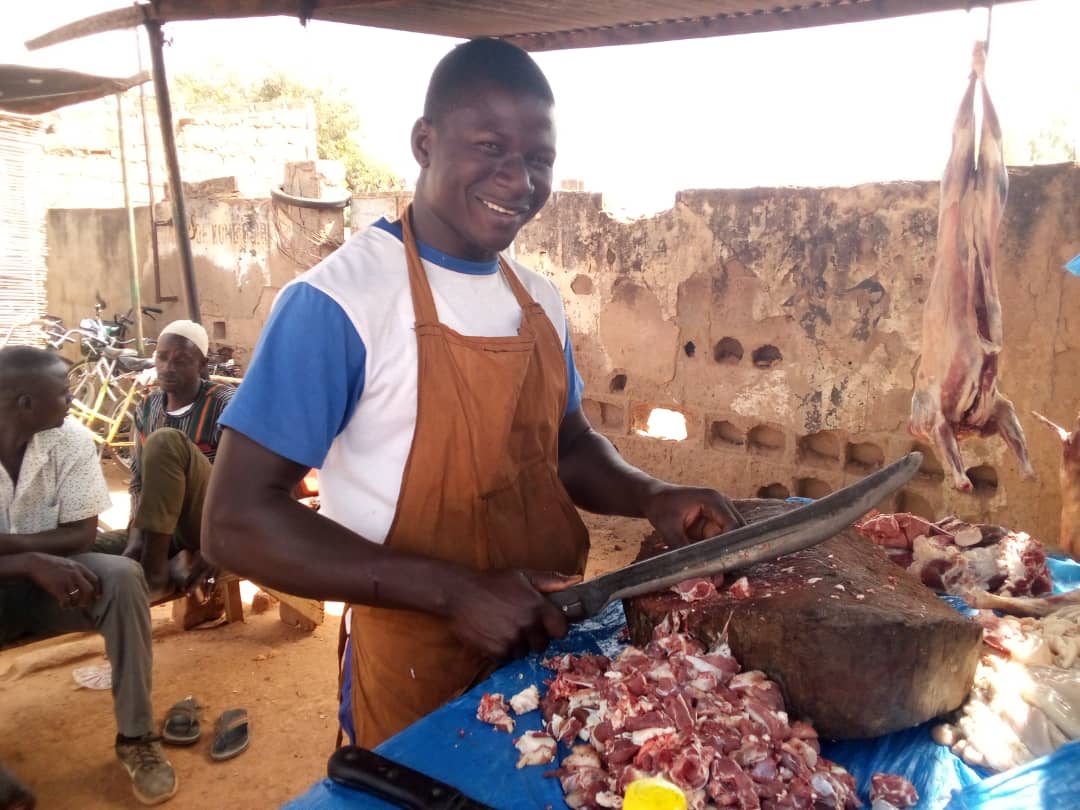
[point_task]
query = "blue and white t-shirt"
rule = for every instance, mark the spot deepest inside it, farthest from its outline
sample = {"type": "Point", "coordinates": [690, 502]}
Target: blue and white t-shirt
{"type": "Point", "coordinates": [332, 384]}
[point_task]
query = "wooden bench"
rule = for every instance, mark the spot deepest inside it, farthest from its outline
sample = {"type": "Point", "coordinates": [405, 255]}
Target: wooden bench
{"type": "Point", "coordinates": [296, 611]}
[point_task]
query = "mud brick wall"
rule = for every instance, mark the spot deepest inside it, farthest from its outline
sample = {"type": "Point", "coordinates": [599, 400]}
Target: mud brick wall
{"type": "Point", "coordinates": [251, 142]}
{"type": "Point", "coordinates": [784, 324]}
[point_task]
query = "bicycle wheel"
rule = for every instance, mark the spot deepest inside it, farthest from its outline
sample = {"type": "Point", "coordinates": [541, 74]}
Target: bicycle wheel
{"type": "Point", "coordinates": [122, 446]}
{"type": "Point", "coordinates": [83, 382]}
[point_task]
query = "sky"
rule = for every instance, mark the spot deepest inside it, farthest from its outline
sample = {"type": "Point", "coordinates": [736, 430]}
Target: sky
{"type": "Point", "coordinates": [835, 105]}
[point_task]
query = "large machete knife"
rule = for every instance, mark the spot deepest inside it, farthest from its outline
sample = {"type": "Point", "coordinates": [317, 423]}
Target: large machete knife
{"type": "Point", "coordinates": [765, 540]}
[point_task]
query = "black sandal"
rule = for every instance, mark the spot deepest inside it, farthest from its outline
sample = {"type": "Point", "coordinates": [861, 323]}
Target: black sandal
{"type": "Point", "coordinates": [182, 723]}
{"type": "Point", "coordinates": [230, 734]}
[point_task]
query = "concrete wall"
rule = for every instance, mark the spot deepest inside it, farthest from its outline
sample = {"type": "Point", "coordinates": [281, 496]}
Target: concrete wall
{"type": "Point", "coordinates": [88, 255]}
{"type": "Point", "coordinates": [785, 325]}
{"type": "Point", "coordinates": [245, 249]}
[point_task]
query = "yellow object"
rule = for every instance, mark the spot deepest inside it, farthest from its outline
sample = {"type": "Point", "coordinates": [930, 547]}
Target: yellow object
{"type": "Point", "coordinates": [653, 793]}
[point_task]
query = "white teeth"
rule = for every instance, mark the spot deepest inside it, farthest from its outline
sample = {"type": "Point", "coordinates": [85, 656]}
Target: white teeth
{"type": "Point", "coordinates": [499, 208]}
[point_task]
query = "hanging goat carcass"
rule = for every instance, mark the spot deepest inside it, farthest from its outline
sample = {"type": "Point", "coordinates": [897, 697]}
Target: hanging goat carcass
{"type": "Point", "coordinates": [956, 392]}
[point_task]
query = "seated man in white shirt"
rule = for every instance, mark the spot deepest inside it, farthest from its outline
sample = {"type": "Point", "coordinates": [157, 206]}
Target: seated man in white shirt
{"type": "Point", "coordinates": [51, 493]}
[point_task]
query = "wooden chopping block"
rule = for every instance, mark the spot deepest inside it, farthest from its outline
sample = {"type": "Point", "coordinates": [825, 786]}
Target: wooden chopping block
{"type": "Point", "coordinates": [858, 646]}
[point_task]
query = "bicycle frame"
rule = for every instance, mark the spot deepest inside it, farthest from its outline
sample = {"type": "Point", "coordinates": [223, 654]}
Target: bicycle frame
{"type": "Point", "coordinates": [92, 417]}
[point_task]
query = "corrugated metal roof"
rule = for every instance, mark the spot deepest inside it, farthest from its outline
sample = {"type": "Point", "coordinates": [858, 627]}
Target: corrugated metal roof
{"type": "Point", "coordinates": [533, 24]}
{"type": "Point", "coordinates": [31, 91]}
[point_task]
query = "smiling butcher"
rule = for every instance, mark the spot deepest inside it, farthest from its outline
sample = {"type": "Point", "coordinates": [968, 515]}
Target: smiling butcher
{"type": "Point", "coordinates": [432, 381]}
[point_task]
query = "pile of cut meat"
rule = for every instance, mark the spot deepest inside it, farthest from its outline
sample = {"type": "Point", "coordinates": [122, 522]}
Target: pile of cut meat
{"type": "Point", "coordinates": [1026, 699]}
{"type": "Point", "coordinates": [677, 710]}
{"type": "Point", "coordinates": [952, 556]}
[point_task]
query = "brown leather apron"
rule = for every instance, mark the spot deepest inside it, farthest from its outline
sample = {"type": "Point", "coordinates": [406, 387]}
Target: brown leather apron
{"type": "Point", "coordinates": [480, 489]}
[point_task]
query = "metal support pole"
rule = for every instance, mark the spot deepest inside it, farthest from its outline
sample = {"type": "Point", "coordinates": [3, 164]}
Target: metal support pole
{"type": "Point", "coordinates": [136, 295]}
{"type": "Point", "coordinates": [158, 297]}
{"type": "Point", "coordinates": [168, 138]}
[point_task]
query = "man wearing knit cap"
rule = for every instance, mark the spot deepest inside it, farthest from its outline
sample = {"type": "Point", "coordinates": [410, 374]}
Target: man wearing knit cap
{"type": "Point", "coordinates": [177, 435]}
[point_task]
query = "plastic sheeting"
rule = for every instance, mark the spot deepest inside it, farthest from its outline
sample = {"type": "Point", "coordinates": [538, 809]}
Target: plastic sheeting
{"type": "Point", "coordinates": [452, 745]}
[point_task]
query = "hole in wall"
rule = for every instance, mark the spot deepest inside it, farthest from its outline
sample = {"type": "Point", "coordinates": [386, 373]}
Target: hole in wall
{"type": "Point", "coordinates": [582, 285]}
{"type": "Point", "coordinates": [728, 350]}
{"type": "Point", "coordinates": [659, 423]}
{"type": "Point", "coordinates": [725, 435]}
{"type": "Point", "coordinates": [811, 488]}
{"type": "Point", "coordinates": [930, 468]}
{"type": "Point", "coordinates": [766, 439]}
{"type": "Point", "coordinates": [219, 330]}
{"type": "Point", "coordinates": [908, 501]}
{"type": "Point", "coordinates": [820, 448]}
{"type": "Point", "coordinates": [774, 490]}
{"type": "Point", "coordinates": [611, 415]}
{"type": "Point", "coordinates": [766, 356]}
{"type": "Point", "coordinates": [689, 348]}
{"type": "Point", "coordinates": [984, 478]}
{"type": "Point", "coordinates": [618, 383]}
{"type": "Point", "coordinates": [862, 457]}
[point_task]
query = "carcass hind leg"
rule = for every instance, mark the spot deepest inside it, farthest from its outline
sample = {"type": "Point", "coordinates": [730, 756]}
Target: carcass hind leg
{"type": "Point", "coordinates": [1008, 425]}
{"type": "Point", "coordinates": [946, 442]}
{"type": "Point", "coordinates": [929, 424]}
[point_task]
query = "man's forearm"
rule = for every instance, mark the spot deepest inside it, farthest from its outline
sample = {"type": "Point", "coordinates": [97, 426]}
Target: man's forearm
{"type": "Point", "coordinates": [14, 566]}
{"type": "Point", "coordinates": [600, 480]}
{"type": "Point", "coordinates": [283, 544]}
{"type": "Point", "coordinates": [68, 539]}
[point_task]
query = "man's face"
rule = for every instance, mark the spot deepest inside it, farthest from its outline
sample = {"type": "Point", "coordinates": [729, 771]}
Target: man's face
{"type": "Point", "coordinates": [487, 168]}
{"type": "Point", "coordinates": [178, 362]}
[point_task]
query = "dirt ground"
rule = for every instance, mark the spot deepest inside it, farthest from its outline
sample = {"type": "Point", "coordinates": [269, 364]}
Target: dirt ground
{"type": "Point", "coordinates": [58, 737]}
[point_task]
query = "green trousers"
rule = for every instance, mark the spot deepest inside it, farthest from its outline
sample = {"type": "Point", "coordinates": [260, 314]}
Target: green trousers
{"type": "Point", "coordinates": [175, 474]}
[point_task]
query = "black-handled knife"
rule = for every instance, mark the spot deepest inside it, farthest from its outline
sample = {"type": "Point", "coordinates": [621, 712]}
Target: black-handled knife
{"type": "Point", "coordinates": [360, 769]}
{"type": "Point", "coordinates": [765, 540]}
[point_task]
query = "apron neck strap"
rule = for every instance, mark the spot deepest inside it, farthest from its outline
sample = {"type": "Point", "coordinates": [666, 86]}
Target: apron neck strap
{"type": "Point", "coordinates": [423, 301]}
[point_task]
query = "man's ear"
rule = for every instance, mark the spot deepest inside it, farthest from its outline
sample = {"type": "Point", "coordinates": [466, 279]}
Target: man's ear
{"type": "Point", "coordinates": [422, 134]}
{"type": "Point", "coordinates": [24, 402]}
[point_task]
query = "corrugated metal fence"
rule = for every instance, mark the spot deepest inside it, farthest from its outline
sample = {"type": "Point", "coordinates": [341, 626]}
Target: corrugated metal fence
{"type": "Point", "coordinates": [22, 228]}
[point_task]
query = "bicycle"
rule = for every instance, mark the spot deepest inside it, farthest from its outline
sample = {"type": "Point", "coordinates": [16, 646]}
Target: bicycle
{"type": "Point", "coordinates": [115, 433]}
{"type": "Point", "coordinates": [106, 348]}
{"type": "Point", "coordinates": [221, 366]}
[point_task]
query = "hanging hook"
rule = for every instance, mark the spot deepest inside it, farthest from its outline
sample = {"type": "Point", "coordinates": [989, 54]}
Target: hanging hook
{"type": "Point", "coordinates": [989, 18]}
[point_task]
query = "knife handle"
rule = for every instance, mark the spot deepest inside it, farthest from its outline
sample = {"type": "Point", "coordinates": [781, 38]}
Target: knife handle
{"type": "Point", "coordinates": [579, 601]}
{"type": "Point", "coordinates": [360, 769]}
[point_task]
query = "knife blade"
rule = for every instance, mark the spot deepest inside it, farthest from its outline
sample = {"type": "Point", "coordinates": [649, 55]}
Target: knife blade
{"type": "Point", "coordinates": [737, 548]}
{"type": "Point", "coordinates": [360, 769]}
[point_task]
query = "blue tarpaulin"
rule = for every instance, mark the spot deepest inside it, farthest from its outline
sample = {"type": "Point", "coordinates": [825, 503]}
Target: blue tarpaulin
{"type": "Point", "coordinates": [1073, 265]}
{"type": "Point", "coordinates": [450, 744]}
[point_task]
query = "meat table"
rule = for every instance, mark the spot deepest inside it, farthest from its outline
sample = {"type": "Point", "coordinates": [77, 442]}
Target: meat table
{"type": "Point", "coordinates": [450, 744]}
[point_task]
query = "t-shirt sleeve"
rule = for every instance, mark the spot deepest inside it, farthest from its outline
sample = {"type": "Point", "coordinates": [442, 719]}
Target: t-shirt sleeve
{"type": "Point", "coordinates": [575, 386]}
{"type": "Point", "coordinates": [304, 380]}
{"type": "Point", "coordinates": [83, 492]}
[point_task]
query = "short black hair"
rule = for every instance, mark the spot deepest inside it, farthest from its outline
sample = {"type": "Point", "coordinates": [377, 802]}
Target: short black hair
{"type": "Point", "coordinates": [19, 364]}
{"type": "Point", "coordinates": [483, 60]}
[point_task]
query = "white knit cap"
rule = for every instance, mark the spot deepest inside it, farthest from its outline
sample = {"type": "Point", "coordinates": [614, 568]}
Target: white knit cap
{"type": "Point", "coordinates": [190, 330]}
